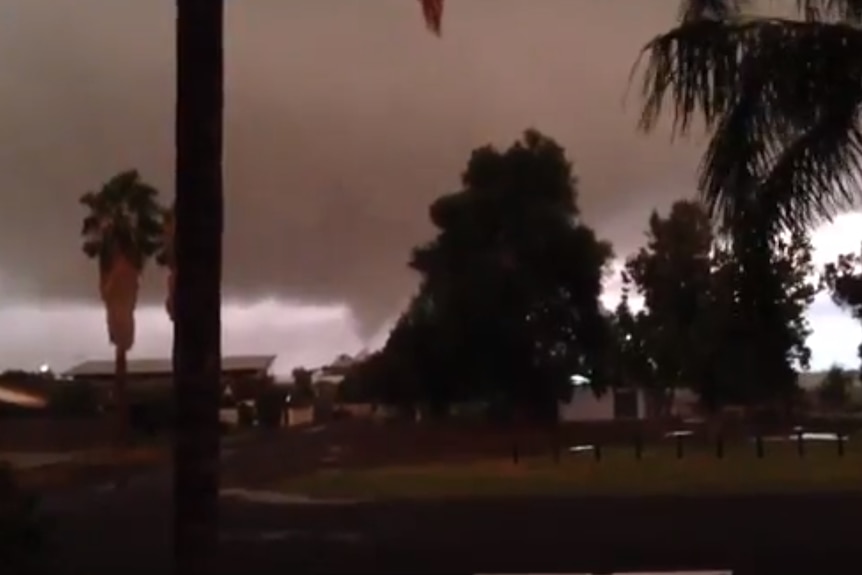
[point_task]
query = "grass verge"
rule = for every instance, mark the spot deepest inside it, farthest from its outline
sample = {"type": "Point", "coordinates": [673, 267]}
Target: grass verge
{"type": "Point", "coordinates": [618, 472]}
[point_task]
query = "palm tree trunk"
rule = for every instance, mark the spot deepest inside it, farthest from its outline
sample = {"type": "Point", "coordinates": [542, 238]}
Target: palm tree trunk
{"type": "Point", "coordinates": [197, 313]}
{"type": "Point", "coordinates": [121, 400]}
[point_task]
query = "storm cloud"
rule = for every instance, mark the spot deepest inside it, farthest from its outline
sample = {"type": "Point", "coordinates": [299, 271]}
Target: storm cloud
{"type": "Point", "coordinates": [344, 119]}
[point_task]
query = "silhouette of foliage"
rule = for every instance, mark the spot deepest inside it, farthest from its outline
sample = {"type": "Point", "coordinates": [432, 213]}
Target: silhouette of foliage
{"type": "Point", "coordinates": [631, 359]}
{"type": "Point", "coordinates": [834, 390]}
{"type": "Point", "coordinates": [365, 380]}
{"type": "Point", "coordinates": [673, 275]}
{"type": "Point", "coordinates": [122, 230]}
{"type": "Point", "coordinates": [843, 279]}
{"type": "Point", "coordinates": [508, 307]}
{"type": "Point", "coordinates": [726, 318]}
{"type": "Point", "coordinates": [780, 97]}
{"type": "Point", "coordinates": [756, 320]}
{"type": "Point", "coordinates": [303, 388]}
{"type": "Point", "coordinates": [124, 217]}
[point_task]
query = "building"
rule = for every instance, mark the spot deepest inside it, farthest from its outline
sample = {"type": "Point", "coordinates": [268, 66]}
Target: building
{"type": "Point", "coordinates": [586, 405]}
{"type": "Point", "coordinates": [243, 376]}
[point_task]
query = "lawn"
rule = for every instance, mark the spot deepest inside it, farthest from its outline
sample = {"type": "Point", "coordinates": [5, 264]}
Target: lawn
{"type": "Point", "coordinates": [91, 468]}
{"type": "Point", "coordinates": [658, 471]}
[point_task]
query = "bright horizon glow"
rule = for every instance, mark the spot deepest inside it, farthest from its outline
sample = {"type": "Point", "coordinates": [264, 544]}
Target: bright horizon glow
{"type": "Point", "coordinates": [61, 335]}
{"type": "Point", "coordinates": [20, 398]}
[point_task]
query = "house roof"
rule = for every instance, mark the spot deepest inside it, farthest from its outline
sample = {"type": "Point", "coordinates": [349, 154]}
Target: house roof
{"type": "Point", "coordinates": [164, 366]}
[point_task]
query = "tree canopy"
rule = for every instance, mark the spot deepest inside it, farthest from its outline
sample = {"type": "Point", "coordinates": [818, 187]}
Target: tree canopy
{"type": "Point", "coordinates": [124, 219]}
{"type": "Point", "coordinates": [673, 274]}
{"type": "Point", "coordinates": [723, 317]}
{"type": "Point", "coordinates": [843, 279]}
{"type": "Point", "coordinates": [508, 306]}
{"type": "Point", "coordinates": [756, 313]}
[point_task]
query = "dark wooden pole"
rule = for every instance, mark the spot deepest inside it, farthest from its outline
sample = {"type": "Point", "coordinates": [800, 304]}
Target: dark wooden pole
{"type": "Point", "coordinates": [197, 313]}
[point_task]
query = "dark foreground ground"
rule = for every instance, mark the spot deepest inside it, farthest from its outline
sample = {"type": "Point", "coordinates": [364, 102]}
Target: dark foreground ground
{"type": "Point", "coordinates": [128, 532]}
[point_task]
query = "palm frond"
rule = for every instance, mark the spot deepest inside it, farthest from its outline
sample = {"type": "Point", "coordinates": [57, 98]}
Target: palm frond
{"type": "Point", "coordinates": [778, 96]}
{"type": "Point", "coordinates": [125, 218]}
{"type": "Point", "coordinates": [432, 10]}
{"type": "Point", "coordinates": [818, 173]}
{"type": "Point", "coordinates": [711, 9]}
{"type": "Point", "coordinates": [831, 10]}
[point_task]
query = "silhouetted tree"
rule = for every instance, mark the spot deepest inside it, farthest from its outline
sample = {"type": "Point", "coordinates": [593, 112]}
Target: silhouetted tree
{"type": "Point", "coordinates": [756, 320]}
{"type": "Point", "coordinates": [673, 274]}
{"type": "Point", "coordinates": [631, 358]}
{"type": "Point", "coordinates": [508, 304]}
{"type": "Point", "coordinates": [364, 380]}
{"type": "Point", "coordinates": [420, 362]}
{"type": "Point", "coordinates": [834, 390]}
{"type": "Point", "coordinates": [843, 279]}
{"type": "Point", "coordinates": [122, 231]}
{"type": "Point", "coordinates": [303, 388]}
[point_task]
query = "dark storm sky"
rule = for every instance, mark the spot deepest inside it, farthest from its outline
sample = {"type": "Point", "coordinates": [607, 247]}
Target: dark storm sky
{"type": "Point", "coordinates": [344, 119]}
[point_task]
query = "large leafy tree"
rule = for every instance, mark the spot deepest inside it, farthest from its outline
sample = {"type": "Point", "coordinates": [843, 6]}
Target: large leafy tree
{"type": "Point", "coordinates": [672, 273]}
{"type": "Point", "coordinates": [425, 358]}
{"type": "Point", "coordinates": [512, 280]}
{"type": "Point", "coordinates": [631, 355]}
{"type": "Point", "coordinates": [843, 280]}
{"type": "Point", "coordinates": [755, 320]}
{"type": "Point", "coordinates": [780, 97]}
{"type": "Point", "coordinates": [723, 316]}
{"type": "Point", "coordinates": [122, 230]}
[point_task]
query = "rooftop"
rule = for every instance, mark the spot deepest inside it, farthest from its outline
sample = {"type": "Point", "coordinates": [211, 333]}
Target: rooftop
{"type": "Point", "coordinates": [164, 366]}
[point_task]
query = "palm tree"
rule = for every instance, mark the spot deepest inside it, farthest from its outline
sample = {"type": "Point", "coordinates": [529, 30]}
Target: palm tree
{"type": "Point", "coordinates": [198, 219]}
{"type": "Point", "coordinates": [780, 97]}
{"type": "Point", "coordinates": [121, 231]}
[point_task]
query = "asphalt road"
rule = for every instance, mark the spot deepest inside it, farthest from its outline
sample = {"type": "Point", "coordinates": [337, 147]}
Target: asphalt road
{"type": "Point", "coordinates": [128, 531]}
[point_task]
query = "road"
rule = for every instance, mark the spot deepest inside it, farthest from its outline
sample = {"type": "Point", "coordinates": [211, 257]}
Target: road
{"type": "Point", "coordinates": [127, 530]}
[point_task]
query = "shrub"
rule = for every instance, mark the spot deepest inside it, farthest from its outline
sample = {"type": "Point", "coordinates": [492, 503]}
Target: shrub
{"type": "Point", "coordinates": [270, 408]}
{"type": "Point", "coordinates": [834, 390]}
{"type": "Point", "coordinates": [74, 399]}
